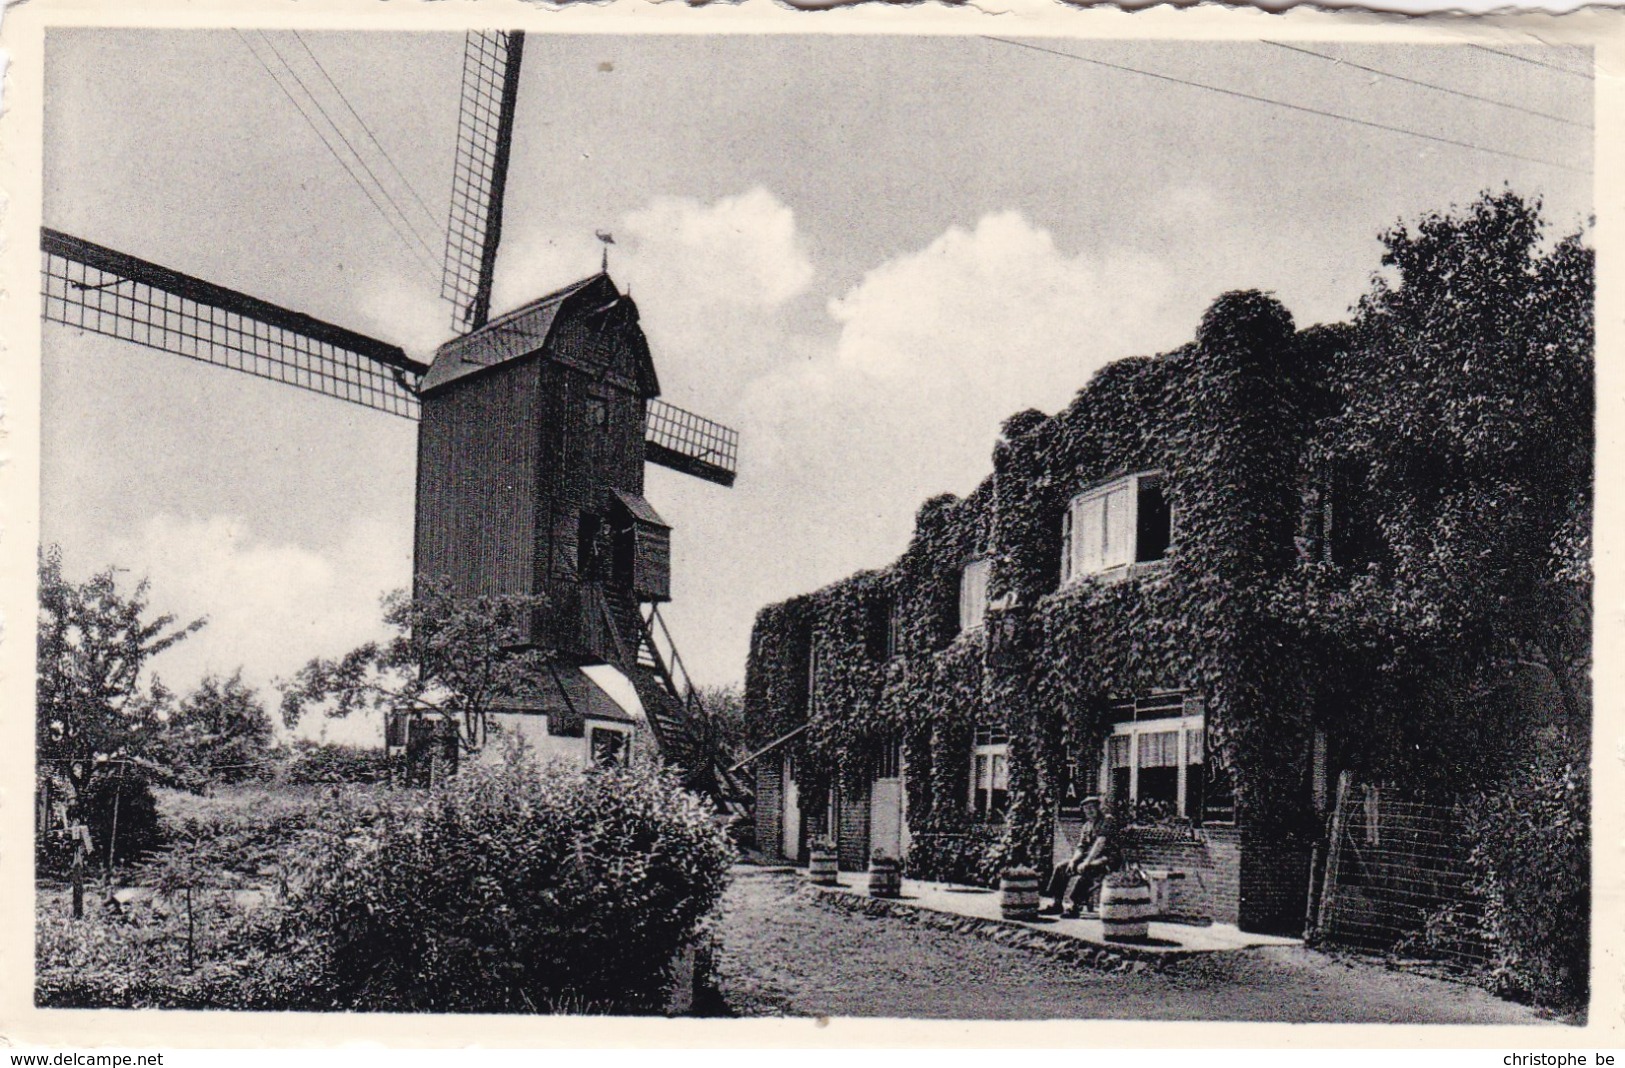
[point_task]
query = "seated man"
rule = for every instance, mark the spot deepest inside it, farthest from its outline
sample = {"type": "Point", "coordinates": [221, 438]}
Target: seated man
{"type": "Point", "coordinates": [1088, 864]}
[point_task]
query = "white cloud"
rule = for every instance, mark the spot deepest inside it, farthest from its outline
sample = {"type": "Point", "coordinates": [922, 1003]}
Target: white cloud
{"type": "Point", "coordinates": [409, 315]}
{"type": "Point", "coordinates": [712, 280]}
{"type": "Point", "coordinates": [271, 606]}
{"type": "Point", "coordinates": [742, 250]}
{"type": "Point", "coordinates": [1001, 307]}
{"type": "Point", "coordinates": [933, 349]}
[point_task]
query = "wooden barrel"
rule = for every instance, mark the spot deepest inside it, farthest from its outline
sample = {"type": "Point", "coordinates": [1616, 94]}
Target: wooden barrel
{"type": "Point", "coordinates": [885, 880]}
{"type": "Point", "coordinates": [1018, 894]}
{"type": "Point", "coordinates": [1125, 907]}
{"type": "Point", "coordinates": [821, 867]}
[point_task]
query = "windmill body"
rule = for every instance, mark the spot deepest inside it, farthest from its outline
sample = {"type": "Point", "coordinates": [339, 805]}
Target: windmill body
{"type": "Point", "coordinates": [530, 462]}
{"type": "Point", "coordinates": [534, 431]}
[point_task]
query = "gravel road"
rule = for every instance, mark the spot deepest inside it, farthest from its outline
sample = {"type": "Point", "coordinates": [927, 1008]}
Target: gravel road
{"type": "Point", "coordinates": [784, 954]}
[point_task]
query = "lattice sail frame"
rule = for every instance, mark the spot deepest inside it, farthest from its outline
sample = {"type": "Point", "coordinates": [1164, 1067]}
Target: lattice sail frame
{"type": "Point", "coordinates": [679, 439]}
{"type": "Point", "coordinates": [94, 288]}
{"type": "Point", "coordinates": [89, 287]}
{"type": "Point", "coordinates": [491, 61]}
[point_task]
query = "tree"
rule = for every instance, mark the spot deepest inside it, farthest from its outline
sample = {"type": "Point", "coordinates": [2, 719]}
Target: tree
{"type": "Point", "coordinates": [453, 658]}
{"type": "Point", "coordinates": [96, 718]}
{"type": "Point", "coordinates": [1468, 385]}
{"type": "Point", "coordinates": [725, 719]}
{"type": "Point", "coordinates": [219, 733]}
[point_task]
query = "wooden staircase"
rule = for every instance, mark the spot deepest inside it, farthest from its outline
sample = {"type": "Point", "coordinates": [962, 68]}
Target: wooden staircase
{"type": "Point", "coordinates": [646, 654]}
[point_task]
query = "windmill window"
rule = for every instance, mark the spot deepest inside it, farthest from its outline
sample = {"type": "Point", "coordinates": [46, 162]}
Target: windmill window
{"type": "Point", "coordinates": [1112, 527]}
{"type": "Point", "coordinates": [589, 547]}
{"type": "Point", "coordinates": [597, 412]}
{"type": "Point", "coordinates": [973, 594]}
{"type": "Point", "coordinates": [610, 747]}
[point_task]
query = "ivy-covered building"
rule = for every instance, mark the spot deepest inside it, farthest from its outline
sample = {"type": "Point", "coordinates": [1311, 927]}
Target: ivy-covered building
{"type": "Point", "coordinates": [1177, 593]}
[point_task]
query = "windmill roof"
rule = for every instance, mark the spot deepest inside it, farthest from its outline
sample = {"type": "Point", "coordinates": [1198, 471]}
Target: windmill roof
{"type": "Point", "coordinates": [508, 337]}
{"type": "Point", "coordinates": [641, 509]}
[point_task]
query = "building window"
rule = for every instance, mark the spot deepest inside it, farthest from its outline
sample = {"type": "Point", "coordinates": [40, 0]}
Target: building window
{"type": "Point", "coordinates": [1154, 763]}
{"type": "Point", "coordinates": [880, 627]}
{"type": "Point", "coordinates": [990, 772]}
{"type": "Point", "coordinates": [812, 677]}
{"type": "Point", "coordinates": [973, 594]}
{"type": "Point", "coordinates": [888, 758]}
{"type": "Point", "coordinates": [1352, 534]}
{"type": "Point", "coordinates": [610, 747]}
{"type": "Point", "coordinates": [1108, 528]}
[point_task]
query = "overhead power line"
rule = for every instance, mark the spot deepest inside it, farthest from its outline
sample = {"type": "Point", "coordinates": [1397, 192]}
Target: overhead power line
{"type": "Point", "coordinates": [1289, 106]}
{"type": "Point", "coordinates": [349, 145]}
{"type": "Point", "coordinates": [433, 222]}
{"type": "Point", "coordinates": [413, 242]}
{"type": "Point", "coordinates": [1339, 60]}
{"type": "Point", "coordinates": [1532, 62]}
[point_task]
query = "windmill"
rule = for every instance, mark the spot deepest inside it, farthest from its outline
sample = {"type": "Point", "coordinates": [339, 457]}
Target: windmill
{"type": "Point", "coordinates": [534, 428]}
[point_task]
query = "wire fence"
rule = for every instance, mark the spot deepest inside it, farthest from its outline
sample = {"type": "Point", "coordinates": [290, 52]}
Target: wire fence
{"type": "Point", "coordinates": [1398, 880]}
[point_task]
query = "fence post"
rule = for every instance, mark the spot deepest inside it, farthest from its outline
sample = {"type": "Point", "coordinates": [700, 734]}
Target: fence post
{"type": "Point", "coordinates": [81, 846]}
{"type": "Point", "coordinates": [112, 837]}
{"type": "Point", "coordinates": [1334, 856]}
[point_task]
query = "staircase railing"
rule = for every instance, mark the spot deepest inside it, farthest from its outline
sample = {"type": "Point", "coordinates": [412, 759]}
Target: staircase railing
{"type": "Point", "coordinates": [669, 663]}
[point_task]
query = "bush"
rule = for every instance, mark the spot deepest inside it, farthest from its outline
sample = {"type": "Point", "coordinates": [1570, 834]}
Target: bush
{"type": "Point", "coordinates": [135, 956]}
{"type": "Point", "coordinates": [250, 829]}
{"type": "Point", "coordinates": [1532, 868]}
{"type": "Point", "coordinates": [972, 856]}
{"type": "Point", "coordinates": [326, 763]}
{"type": "Point", "coordinates": [510, 891]}
{"type": "Point", "coordinates": [109, 801]}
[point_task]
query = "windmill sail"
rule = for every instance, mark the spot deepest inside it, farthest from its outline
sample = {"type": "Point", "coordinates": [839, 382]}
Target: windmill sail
{"type": "Point", "coordinates": [93, 288]}
{"type": "Point", "coordinates": [690, 443]}
{"type": "Point", "coordinates": [491, 63]}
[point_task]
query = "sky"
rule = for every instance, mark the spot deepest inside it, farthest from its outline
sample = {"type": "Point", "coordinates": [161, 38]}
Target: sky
{"type": "Point", "coordinates": [861, 252]}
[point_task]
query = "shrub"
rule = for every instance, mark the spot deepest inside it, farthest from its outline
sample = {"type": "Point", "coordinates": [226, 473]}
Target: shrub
{"type": "Point", "coordinates": [326, 763]}
{"type": "Point", "coordinates": [1532, 868]}
{"type": "Point", "coordinates": [510, 891]}
{"type": "Point", "coordinates": [108, 802]}
{"type": "Point", "coordinates": [250, 829]}
{"type": "Point", "coordinates": [135, 956]}
{"type": "Point", "coordinates": [972, 856]}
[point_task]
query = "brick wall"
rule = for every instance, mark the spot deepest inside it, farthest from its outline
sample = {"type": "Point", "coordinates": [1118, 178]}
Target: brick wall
{"type": "Point", "coordinates": [770, 805]}
{"type": "Point", "coordinates": [1224, 845]}
{"type": "Point", "coordinates": [853, 840]}
{"type": "Point", "coordinates": [1211, 863]}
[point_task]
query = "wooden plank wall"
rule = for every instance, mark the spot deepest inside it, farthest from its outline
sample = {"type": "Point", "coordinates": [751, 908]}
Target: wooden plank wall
{"type": "Point", "coordinates": [478, 458]}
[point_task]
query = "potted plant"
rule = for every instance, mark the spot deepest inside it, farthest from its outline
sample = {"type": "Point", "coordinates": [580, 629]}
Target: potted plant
{"type": "Point", "coordinates": [821, 862]}
{"type": "Point", "coordinates": [1018, 893]}
{"type": "Point", "coordinates": [885, 876]}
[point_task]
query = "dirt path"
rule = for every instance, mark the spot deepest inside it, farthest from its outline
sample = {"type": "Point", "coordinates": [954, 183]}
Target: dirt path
{"type": "Point", "coordinates": [784, 954]}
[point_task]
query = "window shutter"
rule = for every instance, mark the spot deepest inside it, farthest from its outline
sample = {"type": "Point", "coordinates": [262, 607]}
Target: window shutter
{"type": "Point", "coordinates": [1091, 534]}
{"type": "Point", "coordinates": [1119, 522]}
{"type": "Point", "coordinates": [1066, 545]}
